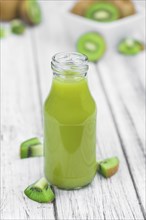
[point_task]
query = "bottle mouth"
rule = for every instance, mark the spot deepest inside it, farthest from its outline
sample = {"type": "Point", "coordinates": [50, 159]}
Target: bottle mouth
{"type": "Point", "coordinates": [67, 64]}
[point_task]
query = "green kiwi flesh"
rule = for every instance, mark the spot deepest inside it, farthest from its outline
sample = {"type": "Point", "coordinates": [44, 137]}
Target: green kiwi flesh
{"type": "Point", "coordinates": [3, 32]}
{"type": "Point", "coordinates": [31, 148]}
{"type": "Point", "coordinates": [103, 12]}
{"type": "Point", "coordinates": [40, 191]}
{"type": "Point", "coordinates": [31, 12]}
{"type": "Point", "coordinates": [129, 46]}
{"type": "Point", "coordinates": [108, 167]}
{"type": "Point", "coordinates": [91, 44]}
{"type": "Point", "coordinates": [17, 27]}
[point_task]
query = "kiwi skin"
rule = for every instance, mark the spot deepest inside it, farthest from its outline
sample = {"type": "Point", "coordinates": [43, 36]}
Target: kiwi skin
{"type": "Point", "coordinates": [96, 7]}
{"type": "Point", "coordinates": [9, 9]}
{"type": "Point", "coordinates": [81, 6]}
{"type": "Point", "coordinates": [31, 148]}
{"type": "Point", "coordinates": [125, 7]}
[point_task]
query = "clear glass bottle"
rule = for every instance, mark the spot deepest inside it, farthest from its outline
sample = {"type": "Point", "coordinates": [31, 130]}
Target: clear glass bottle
{"type": "Point", "coordinates": [70, 124]}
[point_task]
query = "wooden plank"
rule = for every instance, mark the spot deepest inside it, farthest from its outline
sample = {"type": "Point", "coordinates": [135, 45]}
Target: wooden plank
{"type": "Point", "coordinates": [21, 119]}
{"type": "Point", "coordinates": [103, 199]}
{"type": "Point", "coordinates": [128, 109]}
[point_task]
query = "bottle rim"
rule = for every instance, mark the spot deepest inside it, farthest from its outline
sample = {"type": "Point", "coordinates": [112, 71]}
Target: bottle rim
{"type": "Point", "coordinates": [69, 64]}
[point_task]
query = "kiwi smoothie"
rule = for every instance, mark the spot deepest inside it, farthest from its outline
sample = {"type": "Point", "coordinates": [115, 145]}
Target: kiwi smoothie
{"type": "Point", "coordinates": [70, 124]}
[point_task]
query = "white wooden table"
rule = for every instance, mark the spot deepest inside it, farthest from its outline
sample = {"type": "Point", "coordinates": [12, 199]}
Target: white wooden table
{"type": "Point", "coordinates": [118, 86]}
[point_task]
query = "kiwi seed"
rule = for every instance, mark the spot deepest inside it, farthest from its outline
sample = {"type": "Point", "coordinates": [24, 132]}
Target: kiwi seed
{"type": "Point", "coordinates": [103, 12]}
{"type": "Point", "coordinates": [92, 44]}
{"type": "Point", "coordinates": [130, 46]}
{"type": "Point", "coordinates": [40, 191]}
{"type": "Point", "coordinates": [31, 148]}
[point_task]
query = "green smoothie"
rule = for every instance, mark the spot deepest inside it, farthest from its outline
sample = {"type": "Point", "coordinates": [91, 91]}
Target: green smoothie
{"type": "Point", "coordinates": [70, 133]}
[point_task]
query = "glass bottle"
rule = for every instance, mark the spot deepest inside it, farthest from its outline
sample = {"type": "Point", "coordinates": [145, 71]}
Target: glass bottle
{"type": "Point", "coordinates": [70, 124]}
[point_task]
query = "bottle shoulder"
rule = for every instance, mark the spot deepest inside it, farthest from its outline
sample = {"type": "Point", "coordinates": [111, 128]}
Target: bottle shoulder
{"type": "Point", "coordinates": [70, 102]}
{"type": "Point", "coordinates": [69, 112]}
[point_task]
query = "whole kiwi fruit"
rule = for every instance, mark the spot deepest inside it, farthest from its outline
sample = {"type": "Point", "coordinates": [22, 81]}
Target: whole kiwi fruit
{"type": "Point", "coordinates": [9, 9]}
{"type": "Point", "coordinates": [126, 7]}
{"type": "Point", "coordinates": [81, 6]}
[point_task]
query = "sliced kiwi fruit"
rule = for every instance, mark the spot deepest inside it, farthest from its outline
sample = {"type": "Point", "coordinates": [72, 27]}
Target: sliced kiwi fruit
{"type": "Point", "coordinates": [92, 44]}
{"type": "Point", "coordinates": [103, 12]}
{"type": "Point", "coordinates": [3, 32]}
{"type": "Point", "coordinates": [130, 46]}
{"type": "Point", "coordinates": [40, 191]}
{"type": "Point", "coordinates": [108, 167]}
{"type": "Point", "coordinates": [31, 148]}
{"type": "Point", "coordinates": [17, 27]}
{"type": "Point", "coordinates": [30, 12]}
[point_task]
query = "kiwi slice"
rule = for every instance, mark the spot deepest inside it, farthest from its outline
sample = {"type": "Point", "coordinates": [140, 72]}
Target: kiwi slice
{"type": "Point", "coordinates": [3, 32]}
{"type": "Point", "coordinates": [103, 12]}
{"type": "Point", "coordinates": [30, 12]}
{"type": "Point", "coordinates": [17, 27]}
{"type": "Point", "coordinates": [129, 46]}
{"type": "Point", "coordinates": [108, 167]}
{"type": "Point", "coordinates": [40, 191]}
{"type": "Point", "coordinates": [92, 44]}
{"type": "Point", "coordinates": [31, 148]}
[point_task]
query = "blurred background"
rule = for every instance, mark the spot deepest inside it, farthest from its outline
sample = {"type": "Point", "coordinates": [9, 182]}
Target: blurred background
{"type": "Point", "coordinates": [55, 26]}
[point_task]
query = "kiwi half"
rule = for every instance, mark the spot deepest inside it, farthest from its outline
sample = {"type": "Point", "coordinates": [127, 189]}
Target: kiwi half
{"type": "Point", "coordinates": [92, 44]}
{"type": "Point", "coordinates": [108, 167]}
{"type": "Point", "coordinates": [31, 148]}
{"type": "Point", "coordinates": [129, 46]}
{"type": "Point", "coordinates": [40, 191]}
{"type": "Point", "coordinates": [103, 12]}
{"type": "Point", "coordinates": [17, 27]}
{"type": "Point", "coordinates": [30, 12]}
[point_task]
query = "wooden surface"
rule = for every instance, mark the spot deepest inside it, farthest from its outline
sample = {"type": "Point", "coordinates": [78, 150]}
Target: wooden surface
{"type": "Point", "coordinates": [117, 84]}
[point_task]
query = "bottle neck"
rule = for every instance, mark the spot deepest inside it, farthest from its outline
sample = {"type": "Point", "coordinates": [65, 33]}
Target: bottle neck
{"type": "Point", "coordinates": [69, 67]}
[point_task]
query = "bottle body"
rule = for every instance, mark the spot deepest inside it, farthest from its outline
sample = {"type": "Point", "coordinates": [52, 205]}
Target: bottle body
{"type": "Point", "coordinates": [70, 134]}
